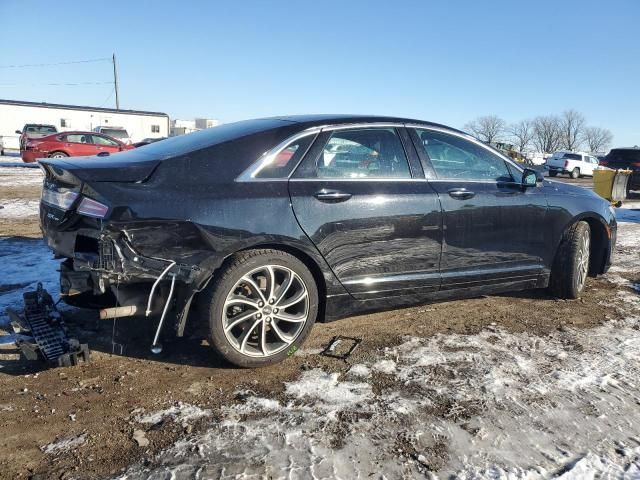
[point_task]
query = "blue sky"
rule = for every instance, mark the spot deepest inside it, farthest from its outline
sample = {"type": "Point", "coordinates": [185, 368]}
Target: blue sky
{"type": "Point", "coordinates": [445, 61]}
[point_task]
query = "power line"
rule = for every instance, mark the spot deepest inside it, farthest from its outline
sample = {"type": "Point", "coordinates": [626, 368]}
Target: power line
{"type": "Point", "coordinates": [26, 65]}
{"type": "Point", "coordinates": [108, 98]}
{"type": "Point", "coordinates": [54, 84]}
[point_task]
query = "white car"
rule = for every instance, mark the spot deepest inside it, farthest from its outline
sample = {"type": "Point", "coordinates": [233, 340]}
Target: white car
{"type": "Point", "coordinates": [118, 133]}
{"type": "Point", "coordinates": [574, 164]}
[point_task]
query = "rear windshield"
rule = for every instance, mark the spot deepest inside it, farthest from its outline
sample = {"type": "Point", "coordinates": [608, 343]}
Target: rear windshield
{"type": "Point", "coordinates": [624, 156]}
{"type": "Point", "coordinates": [191, 142]}
{"type": "Point", "coordinates": [41, 129]}
{"type": "Point", "coordinates": [115, 133]}
{"type": "Point", "coordinates": [572, 156]}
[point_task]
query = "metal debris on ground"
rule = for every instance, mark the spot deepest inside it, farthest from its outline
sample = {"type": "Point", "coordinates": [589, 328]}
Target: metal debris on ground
{"type": "Point", "coordinates": [341, 347]}
{"type": "Point", "coordinates": [40, 333]}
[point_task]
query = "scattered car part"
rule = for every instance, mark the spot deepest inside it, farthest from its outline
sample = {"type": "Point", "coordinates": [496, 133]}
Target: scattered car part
{"type": "Point", "coordinates": [47, 335]}
{"type": "Point", "coordinates": [337, 343]}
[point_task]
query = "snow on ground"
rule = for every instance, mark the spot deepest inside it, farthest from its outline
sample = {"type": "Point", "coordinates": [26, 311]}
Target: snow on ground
{"type": "Point", "coordinates": [12, 159]}
{"type": "Point", "coordinates": [18, 208]}
{"type": "Point", "coordinates": [25, 262]}
{"type": "Point", "coordinates": [182, 413]}
{"type": "Point", "coordinates": [495, 405]}
{"type": "Point", "coordinates": [19, 176]}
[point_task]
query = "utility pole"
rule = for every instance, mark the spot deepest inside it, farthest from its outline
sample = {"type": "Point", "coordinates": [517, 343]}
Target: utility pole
{"type": "Point", "coordinates": [115, 82]}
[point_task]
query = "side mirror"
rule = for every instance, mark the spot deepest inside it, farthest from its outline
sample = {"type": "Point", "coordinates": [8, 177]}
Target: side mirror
{"type": "Point", "coordinates": [18, 132]}
{"type": "Point", "coordinates": [530, 177]}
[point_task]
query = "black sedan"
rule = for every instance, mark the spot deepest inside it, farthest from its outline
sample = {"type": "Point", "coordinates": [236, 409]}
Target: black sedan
{"type": "Point", "coordinates": [261, 228]}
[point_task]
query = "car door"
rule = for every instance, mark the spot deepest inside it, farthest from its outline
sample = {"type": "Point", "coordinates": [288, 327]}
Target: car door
{"type": "Point", "coordinates": [494, 229]}
{"type": "Point", "coordinates": [105, 144]}
{"type": "Point", "coordinates": [78, 144]}
{"type": "Point", "coordinates": [361, 197]}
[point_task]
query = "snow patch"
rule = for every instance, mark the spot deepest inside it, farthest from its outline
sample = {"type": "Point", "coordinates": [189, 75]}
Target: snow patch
{"type": "Point", "coordinates": [327, 389]}
{"type": "Point", "coordinates": [182, 413]}
{"type": "Point", "coordinates": [359, 370]}
{"type": "Point", "coordinates": [385, 366]}
{"type": "Point", "coordinates": [65, 444]}
{"type": "Point", "coordinates": [19, 208]}
{"type": "Point", "coordinates": [25, 262]}
{"type": "Point", "coordinates": [11, 177]}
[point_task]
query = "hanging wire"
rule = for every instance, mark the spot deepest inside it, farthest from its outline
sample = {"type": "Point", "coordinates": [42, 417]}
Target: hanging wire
{"type": "Point", "coordinates": [75, 84]}
{"type": "Point", "coordinates": [29, 65]}
{"type": "Point", "coordinates": [109, 97]}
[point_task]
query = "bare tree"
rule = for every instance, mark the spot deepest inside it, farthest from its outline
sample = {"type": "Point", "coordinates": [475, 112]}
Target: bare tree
{"type": "Point", "coordinates": [598, 139]}
{"type": "Point", "coordinates": [546, 133]}
{"type": "Point", "coordinates": [487, 129]}
{"type": "Point", "coordinates": [572, 124]}
{"type": "Point", "coordinates": [521, 134]}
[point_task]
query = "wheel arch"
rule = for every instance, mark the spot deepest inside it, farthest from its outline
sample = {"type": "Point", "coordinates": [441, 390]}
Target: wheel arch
{"type": "Point", "coordinates": [308, 261]}
{"type": "Point", "coordinates": [58, 150]}
{"type": "Point", "coordinates": [600, 240]}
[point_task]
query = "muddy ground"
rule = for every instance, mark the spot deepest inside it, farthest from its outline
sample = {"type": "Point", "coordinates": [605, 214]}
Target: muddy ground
{"type": "Point", "coordinates": [39, 406]}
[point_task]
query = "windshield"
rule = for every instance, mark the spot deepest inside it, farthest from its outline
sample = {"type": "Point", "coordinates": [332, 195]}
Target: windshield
{"type": "Point", "coordinates": [41, 129]}
{"type": "Point", "coordinates": [115, 132]}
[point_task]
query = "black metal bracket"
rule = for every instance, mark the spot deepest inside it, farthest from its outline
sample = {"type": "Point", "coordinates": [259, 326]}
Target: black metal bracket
{"type": "Point", "coordinates": [330, 349]}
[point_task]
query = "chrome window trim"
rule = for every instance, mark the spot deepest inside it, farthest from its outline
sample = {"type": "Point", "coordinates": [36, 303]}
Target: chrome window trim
{"type": "Point", "coordinates": [339, 179]}
{"type": "Point", "coordinates": [249, 175]}
{"type": "Point", "coordinates": [469, 138]}
{"type": "Point", "coordinates": [361, 125]}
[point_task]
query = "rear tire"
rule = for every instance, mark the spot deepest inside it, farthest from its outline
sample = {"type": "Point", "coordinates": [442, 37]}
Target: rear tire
{"type": "Point", "coordinates": [571, 265]}
{"type": "Point", "coordinates": [260, 308]}
{"type": "Point", "coordinates": [58, 155]}
{"type": "Point", "coordinates": [575, 173]}
{"type": "Point", "coordinates": [552, 173]}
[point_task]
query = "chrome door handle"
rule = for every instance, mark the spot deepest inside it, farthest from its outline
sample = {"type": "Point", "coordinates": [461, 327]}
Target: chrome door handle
{"type": "Point", "coordinates": [326, 195]}
{"type": "Point", "coordinates": [460, 193]}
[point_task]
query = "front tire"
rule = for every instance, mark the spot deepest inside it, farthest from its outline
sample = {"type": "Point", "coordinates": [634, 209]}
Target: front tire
{"type": "Point", "coordinates": [261, 308]}
{"type": "Point", "coordinates": [571, 266]}
{"type": "Point", "coordinates": [575, 173]}
{"type": "Point", "coordinates": [58, 155]}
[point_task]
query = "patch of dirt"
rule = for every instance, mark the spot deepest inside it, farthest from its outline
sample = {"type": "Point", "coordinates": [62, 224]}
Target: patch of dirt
{"type": "Point", "coordinates": [20, 227]}
{"type": "Point", "coordinates": [98, 398]}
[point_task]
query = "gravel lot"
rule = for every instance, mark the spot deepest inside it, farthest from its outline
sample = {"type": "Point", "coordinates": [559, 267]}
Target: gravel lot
{"type": "Point", "coordinates": [510, 386]}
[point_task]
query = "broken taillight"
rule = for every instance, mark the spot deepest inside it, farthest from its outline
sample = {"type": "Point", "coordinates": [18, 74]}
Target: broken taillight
{"type": "Point", "coordinates": [92, 208]}
{"type": "Point", "coordinates": [60, 199]}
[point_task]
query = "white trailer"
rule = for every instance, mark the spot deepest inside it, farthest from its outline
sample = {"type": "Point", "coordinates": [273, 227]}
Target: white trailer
{"type": "Point", "coordinates": [15, 114]}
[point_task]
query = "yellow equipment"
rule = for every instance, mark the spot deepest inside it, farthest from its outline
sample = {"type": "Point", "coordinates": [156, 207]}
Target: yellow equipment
{"type": "Point", "coordinates": [611, 184]}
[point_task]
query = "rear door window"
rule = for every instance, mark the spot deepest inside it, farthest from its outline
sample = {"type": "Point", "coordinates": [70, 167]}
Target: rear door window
{"type": "Point", "coordinates": [77, 138]}
{"type": "Point", "coordinates": [363, 153]}
{"type": "Point", "coordinates": [283, 162]}
{"type": "Point", "coordinates": [455, 158]}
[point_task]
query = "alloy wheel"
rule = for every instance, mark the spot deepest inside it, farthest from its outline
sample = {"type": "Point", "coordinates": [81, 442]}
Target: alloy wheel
{"type": "Point", "coordinates": [265, 311]}
{"type": "Point", "coordinates": [583, 260]}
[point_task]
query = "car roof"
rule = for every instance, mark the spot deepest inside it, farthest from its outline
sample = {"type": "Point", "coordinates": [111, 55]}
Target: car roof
{"type": "Point", "coordinates": [79, 132]}
{"type": "Point", "coordinates": [314, 120]}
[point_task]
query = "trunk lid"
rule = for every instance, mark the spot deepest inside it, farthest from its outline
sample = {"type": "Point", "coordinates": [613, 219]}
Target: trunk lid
{"type": "Point", "coordinates": [127, 166]}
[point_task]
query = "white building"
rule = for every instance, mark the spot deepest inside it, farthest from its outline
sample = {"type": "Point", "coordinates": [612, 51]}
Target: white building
{"type": "Point", "coordinates": [15, 114]}
{"type": "Point", "coordinates": [182, 127]}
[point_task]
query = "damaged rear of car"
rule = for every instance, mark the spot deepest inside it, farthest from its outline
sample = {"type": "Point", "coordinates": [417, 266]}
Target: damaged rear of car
{"type": "Point", "coordinates": [141, 233]}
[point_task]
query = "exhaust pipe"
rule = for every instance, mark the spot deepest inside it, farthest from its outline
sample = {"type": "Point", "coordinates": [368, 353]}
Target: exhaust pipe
{"type": "Point", "coordinates": [118, 312]}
